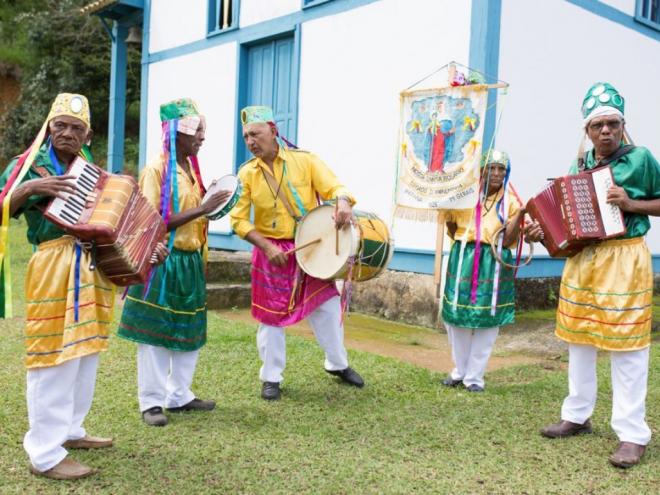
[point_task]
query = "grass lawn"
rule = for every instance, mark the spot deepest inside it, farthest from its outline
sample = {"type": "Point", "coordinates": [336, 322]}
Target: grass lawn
{"type": "Point", "coordinates": [402, 433]}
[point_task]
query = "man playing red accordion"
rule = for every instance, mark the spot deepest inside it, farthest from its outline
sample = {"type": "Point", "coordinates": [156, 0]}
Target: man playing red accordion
{"type": "Point", "coordinates": [69, 307]}
{"type": "Point", "coordinates": [276, 179]}
{"type": "Point", "coordinates": [605, 300]}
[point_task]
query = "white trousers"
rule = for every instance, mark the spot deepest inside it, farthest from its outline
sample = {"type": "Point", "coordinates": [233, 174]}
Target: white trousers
{"type": "Point", "coordinates": [58, 399]}
{"type": "Point", "coordinates": [630, 370]}
{"type": "Point", "coordinates": [329, 332]}
{"type": "Point", "coordinates": [164, 376]}
{"type": "Point", "coordinates": [470, 350]}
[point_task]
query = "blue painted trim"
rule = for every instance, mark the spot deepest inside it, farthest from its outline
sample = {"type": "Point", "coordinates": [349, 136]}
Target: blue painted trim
{"type": "Point", "coordinates": [213, 14]}
{"type": "Point", "coordinates": [421, 260]}
{"type": "Point", "coordinates": [144, 83]}
{"type": "Point", "coordinates": [117, 110]}
{"type": "Point", "coordinates": [261, 30]}
{"type": "Point", "coordinates": [228, 242]}
{"type": "Point", "coordinates": [297, 45]}
{"type": "Point", "coordinates": [107, 28]}
{"type": "Point", "coordinates": [485, 54]}
{"type": "Point", "coordinates": [138, 4]}
{"type": "Point", "coordinates": [306, 4]}
{"type": "Point", "coordinates": [241, 97]}
{"type": "Point", "coordinates": [615, 15]}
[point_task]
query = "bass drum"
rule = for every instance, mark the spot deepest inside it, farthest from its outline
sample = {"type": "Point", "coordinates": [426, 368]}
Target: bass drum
{"type": "Point", "coordinates": [365, 248]}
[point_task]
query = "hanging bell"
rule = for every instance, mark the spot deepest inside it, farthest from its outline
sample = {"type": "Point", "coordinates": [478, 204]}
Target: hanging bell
{"type": "Point", "coordinates": [134, 35]}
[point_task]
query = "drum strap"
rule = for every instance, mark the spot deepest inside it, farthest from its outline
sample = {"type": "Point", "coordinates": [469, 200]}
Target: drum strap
{"type": "Point", "coordinates": [280, 194]}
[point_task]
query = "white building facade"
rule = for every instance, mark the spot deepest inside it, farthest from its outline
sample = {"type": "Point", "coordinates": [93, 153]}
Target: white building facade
{"type": "Point", "coordinates": [333, 70]}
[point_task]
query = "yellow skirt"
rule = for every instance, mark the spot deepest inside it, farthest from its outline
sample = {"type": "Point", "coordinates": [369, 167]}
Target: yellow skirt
{"type": "Point", "coordinates": [51, 334]}
{"type": "Point", "coordinates": [606, 296]}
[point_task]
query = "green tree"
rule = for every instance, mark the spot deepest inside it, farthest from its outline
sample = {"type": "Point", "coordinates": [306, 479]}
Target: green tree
{"type": "Point", "coordinates": [60, 50]}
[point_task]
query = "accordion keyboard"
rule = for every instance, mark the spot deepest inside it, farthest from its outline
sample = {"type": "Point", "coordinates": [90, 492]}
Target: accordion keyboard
{"type": "Point", "coordinates": [70, 208]}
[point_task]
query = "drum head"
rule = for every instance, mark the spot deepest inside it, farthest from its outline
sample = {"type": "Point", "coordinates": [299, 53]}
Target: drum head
{"type": "Point", "coordinates": [225, 183]}
{"type": "Point", "coordinates": [321, 260]}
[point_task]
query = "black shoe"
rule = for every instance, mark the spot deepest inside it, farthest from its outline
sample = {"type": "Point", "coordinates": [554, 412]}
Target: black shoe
{"type": "Point", "coordinates": [450, 382]}
{"type": "Point", "coordinates": [270, 391]}
{"type": "Point", "coordinates": [474, 388]}
{"type": "Point", "coordinates": [348, 375]}
{"type": "Point", "coordinates": [154, 416]}
{"type": "Point", "coordinates": [194, 405]}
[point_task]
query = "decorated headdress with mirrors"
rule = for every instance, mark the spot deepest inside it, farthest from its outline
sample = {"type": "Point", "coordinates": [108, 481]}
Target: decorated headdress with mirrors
{"type": "Point", "coordinates": [601, 99]}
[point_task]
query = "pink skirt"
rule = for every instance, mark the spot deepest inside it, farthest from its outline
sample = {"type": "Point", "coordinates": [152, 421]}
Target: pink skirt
{"type": "Point", "coordinates": [284, 295]}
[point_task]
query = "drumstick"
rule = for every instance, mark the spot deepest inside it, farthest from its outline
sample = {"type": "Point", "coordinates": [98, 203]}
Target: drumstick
{"type": "Point", "coordinates": [307, 244]}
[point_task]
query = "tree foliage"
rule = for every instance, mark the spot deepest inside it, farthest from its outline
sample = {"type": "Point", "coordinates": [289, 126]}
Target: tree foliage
{"type": "Point", "coordinates": [61, 51]}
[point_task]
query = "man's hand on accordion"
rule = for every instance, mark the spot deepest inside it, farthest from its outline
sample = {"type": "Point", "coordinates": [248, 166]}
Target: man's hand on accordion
{"type": "Point", "coordinates": [160, 253]}
{"type": "Point", "coordinates": [618, 196]}
{"type": "Point", "coordinates": [55, 185]}
{"type": "Point", "coordinates": [533, 231]}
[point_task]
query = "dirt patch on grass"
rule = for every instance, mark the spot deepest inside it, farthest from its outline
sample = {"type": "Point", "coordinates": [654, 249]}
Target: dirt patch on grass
{"type": "Point", "coordinates": [530, 342]}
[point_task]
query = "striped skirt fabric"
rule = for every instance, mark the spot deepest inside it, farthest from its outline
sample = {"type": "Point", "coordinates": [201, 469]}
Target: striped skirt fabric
{"type": "Point", "coordinates": [606, 296]}
{"type": "Point", "coordinates": [177, 319]}
{"type": "Point", "coordinates": [284, 295]}
{"type": "Point", "coordinates": [52, 335]}
{"type": "Point", "coordinates": [478, 315]}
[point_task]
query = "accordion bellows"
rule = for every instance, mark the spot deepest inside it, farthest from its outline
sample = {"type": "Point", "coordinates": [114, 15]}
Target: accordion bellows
{"type": "Point", "coordinates": [109, 212]}
{"type": "Point", "coordinates": [573, 212]}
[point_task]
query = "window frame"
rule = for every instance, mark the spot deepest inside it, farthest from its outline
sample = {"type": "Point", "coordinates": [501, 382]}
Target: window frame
{"type": "Point", "coordinates": [213, 18]}
{"type": "Point", "coordinates": [639, 16]}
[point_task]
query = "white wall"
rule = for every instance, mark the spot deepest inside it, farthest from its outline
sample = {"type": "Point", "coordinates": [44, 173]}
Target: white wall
{"type": "Point", "coordinates": [176, 22]}
{"type": "Point", "coordinates": [550, 70]}
{"type": "Point", "coordinates": [353, 66]}
{"type": "Point", "coordinates": [255, 11]}
{"type": "Point", "coordinates": [209, 78]}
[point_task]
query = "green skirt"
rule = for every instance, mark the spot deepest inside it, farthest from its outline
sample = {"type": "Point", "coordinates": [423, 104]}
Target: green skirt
{"type": "Point", "coordinates": [478, 315]}
{"type": "Point", "coordinates": [177, 320]}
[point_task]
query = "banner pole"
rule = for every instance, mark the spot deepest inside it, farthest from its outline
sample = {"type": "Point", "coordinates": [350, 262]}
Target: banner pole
{"type": "Point", "coordinates": [437, 269]}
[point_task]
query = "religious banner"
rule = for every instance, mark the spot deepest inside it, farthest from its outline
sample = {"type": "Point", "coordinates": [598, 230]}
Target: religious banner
{"type": "Point", "coordinates": [440, 142]}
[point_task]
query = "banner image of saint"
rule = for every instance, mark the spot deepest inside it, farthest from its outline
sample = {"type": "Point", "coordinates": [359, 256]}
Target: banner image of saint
{"type": "Point", "coordinates": [440, 142]}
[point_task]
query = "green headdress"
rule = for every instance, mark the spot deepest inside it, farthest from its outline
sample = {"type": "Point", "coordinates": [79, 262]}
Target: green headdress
{"type": "Point", "coordinates": [495, 156]}
{"type": "Point", "coordinates": [261, 114]}
{"type": "Point", "coordinates": [602, 99]}
{"type": "Point", "coordinates": [178, 109]}
{"type": "Point", "coordinates": [257, 114]}
{"type": "Point", "coordinates": [185, 111]}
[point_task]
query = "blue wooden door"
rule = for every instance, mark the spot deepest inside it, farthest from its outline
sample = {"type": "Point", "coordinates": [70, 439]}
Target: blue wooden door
{"type": "Point", "coordinates": [271, 79]}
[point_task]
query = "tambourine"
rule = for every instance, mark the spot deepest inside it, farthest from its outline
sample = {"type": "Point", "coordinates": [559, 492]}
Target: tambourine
{"type": "Point", "coordinates": [498, 258]}
{"type": "Point", "coordinates": [225, 183]}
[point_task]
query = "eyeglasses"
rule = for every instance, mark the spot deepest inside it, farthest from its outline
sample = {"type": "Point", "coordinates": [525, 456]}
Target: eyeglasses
{"type": "Point", "coordinates": [613, 125]}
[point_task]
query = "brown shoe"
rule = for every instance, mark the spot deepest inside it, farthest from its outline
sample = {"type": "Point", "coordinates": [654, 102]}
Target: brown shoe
{"type": "Point", "coordinates": [627, 454]}
{"type": "Point", "coordinates": [67, 469]}
{"type": "Point", "coordinates": [88, 442]}
{"type": "Point", "coordinates": [565, 429]}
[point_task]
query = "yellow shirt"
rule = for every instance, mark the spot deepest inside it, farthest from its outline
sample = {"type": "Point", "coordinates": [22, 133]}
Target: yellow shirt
{"type": "Point", "coordinates": [189, 236]}
{"type": "Point", "coordinates": [490, 223]}
{"type": "Point", "coordinates": [306, 173]}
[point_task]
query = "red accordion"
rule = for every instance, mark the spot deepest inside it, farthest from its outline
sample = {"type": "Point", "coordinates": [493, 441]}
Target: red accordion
{"type": "Point", "coordinates": [573, 212]}
{"type": "Point", "coordinates": [110, 212]}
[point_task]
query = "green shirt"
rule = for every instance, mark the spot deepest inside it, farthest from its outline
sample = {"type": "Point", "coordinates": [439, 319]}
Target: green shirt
{"type": "Point", "coordinates": [39, 229]}
{"type": "Point", "coordinates": [638, 172]}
